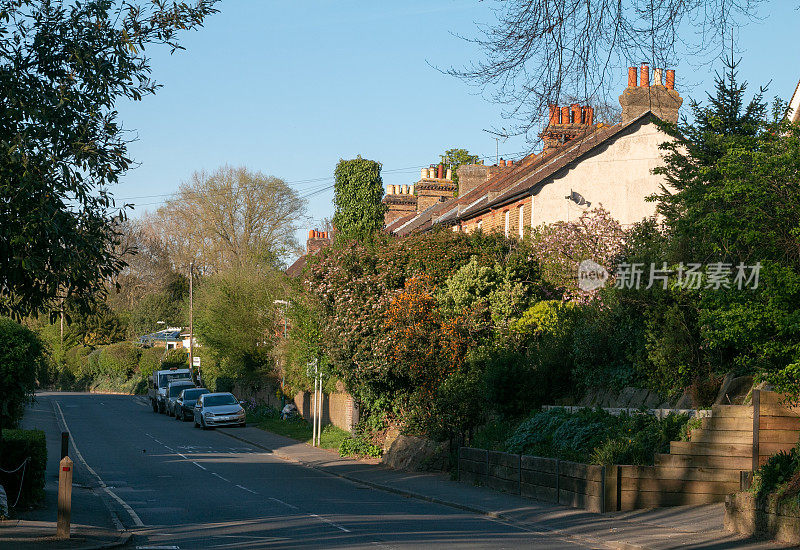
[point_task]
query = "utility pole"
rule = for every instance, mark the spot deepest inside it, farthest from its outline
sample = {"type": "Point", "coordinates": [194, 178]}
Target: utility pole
{"type": "Point", "coordinates": [191, 320]}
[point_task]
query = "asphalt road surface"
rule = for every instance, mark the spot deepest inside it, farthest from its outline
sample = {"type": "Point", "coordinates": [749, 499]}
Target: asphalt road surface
{"type": "Point", "coordinates": [181, 487]}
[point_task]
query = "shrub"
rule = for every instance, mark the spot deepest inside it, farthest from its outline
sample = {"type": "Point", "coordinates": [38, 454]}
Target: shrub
{"type": "Point", "coordinates": [778, 469]}
{"type": "Point", "coordinates": [149, 361]}
{"type": "Point", "coordinates": [596, 436]}
{"type": "Point", "coordinates": [175, 358]}
{"type": "Point", "coordinates": [19, 445]}
{"type": "Point", "coordinates": [359, 445]}
{"type": "Point", "coordinates": [75, 360]}
{"type": "Point", "coordinates": [120, 360]}
{"type": "Point", "coordinates": [21, 357]}
{"type": "Point", "coordinates": [224, 383]}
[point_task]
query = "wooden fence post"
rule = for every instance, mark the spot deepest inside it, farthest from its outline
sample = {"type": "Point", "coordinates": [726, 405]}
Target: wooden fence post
{"type": "Point", "coordinates": [756, 423]}
{"type": "Point", "coordinates": [602, 489]}
{"type": "Point", "coordinates": [64, 497]}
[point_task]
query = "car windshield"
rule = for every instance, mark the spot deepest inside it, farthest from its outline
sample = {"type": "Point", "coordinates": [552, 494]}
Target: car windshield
{"type": "Point", "coordinates": [174, 391]}
{"type": "Point", "coordinates": [189, 395]}
{"type": "Point", "coordinates": [216, 400]}
{"type": "Point", "coordinates": [165, 379]}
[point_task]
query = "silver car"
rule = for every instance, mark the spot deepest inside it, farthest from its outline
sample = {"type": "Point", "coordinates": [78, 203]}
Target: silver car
{"type": "Point", "coordinates": [218, 409]}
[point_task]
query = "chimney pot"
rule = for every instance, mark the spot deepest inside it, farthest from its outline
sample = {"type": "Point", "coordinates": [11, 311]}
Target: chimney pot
{"type": "Point", "coordinates": [632, 76]}
{"type": "Point", "coordinates": [576, 113]}
{"type": "Point", "coordinates": [311, 234]}
{"type": "Point", "coordinates": [440, 174]}
{"type": "Point", "coordinates": [657, 77]}
{"type": "Point", "coordinates": [411, 189]}
{"type": "Point", "coordinates": [405, 189]}
{"type": "Point", "coordinates": [644, 78]}
{"type": "Point", "coordinates": [449, 174]}
{"type": "Point", "coordinates": [670, 79]}
{"type": "Point", "coordinates": [589, 115]}
{"type": "Point", "coordinates": [502, 163]}
{"type": "Point", "coordinates": [423, 174]}
{"type": "Point", "coordinates": [564, 115]}
{"type": "Point", "coordinates": [553, 114]}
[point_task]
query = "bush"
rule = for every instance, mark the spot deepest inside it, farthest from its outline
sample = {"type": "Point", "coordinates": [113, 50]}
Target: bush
{"type": "Point", "coordinates": [596, 436]}
{"type": "Point", "coordinates": [22, 356]}
{"type": "Point", "coordinates": [149, 361]}
{"type": "Point", "coordinates": [777, 470]}
{"type": "Point", "coordinates": [177, 358]}
{"type": "Point", "coordinates": [75, 360]}
{"type": "Point", "coordinates": [358, 445]}
{"type": "Point", "coordinates": [17, 446]}
{"type": "Point", "coordinates": [120, 360]}
{"type": "Point", "coordinates": [223, 383]}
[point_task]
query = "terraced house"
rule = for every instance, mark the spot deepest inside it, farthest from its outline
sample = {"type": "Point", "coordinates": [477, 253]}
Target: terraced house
{"type": "Point", "coordinates": [583, 165]}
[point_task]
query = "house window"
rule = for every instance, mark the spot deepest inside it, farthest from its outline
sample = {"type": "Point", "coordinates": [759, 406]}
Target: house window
{"type": "Point", "coordinates": [507, 220]}
{"type": "Point", "coordinates": [521, 221]}
{"type": "Point", "coordinates": [531, 210]}
{"type": "Point", "coordinates": [480, 225]}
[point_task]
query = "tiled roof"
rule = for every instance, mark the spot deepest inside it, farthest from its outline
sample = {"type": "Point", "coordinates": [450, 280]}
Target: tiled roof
{"type": "Point", "coordinates": [510, 183]}
{"type": "Point", "coordinates": [296, 268]}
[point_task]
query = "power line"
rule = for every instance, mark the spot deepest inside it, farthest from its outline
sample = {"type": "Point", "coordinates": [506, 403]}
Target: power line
{"type": "Point", "coordinates": [306, 193]}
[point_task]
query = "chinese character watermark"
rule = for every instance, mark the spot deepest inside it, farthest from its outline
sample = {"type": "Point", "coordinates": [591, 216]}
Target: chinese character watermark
{"type": "Point", "coordinates": [689, 276]}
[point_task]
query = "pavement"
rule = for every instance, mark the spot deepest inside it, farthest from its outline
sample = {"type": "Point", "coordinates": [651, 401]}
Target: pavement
{"type": "Point", "coordinates": [275, 491]}
{"type": "Point", "coordinates": [654, 529]}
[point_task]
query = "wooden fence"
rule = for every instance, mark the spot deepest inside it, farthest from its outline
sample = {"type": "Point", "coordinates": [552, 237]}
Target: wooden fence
{"type": "Point", "coordinates": [547, 479]}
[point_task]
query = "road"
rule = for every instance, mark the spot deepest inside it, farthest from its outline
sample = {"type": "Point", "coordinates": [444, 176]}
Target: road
{"type": "Point", "coordinates": [178, 486]}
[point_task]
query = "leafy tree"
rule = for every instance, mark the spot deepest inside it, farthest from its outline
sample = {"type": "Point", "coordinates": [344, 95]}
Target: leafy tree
{"type": "Point", "coordinates": [228, 218]}
{"type": "Point", "coordinates": [235, 317]}
{"type": "Point", "coordinates": [455, 158]}
{"type": "Point", "coordinates": [63, 67]}
{"type": "Point", "coordinates": [358, 191]}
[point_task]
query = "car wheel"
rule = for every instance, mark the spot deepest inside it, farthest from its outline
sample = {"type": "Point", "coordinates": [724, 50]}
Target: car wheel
{"type": "Point", "coordinates": [196, 425]}
{"type": "Point", "coordinates": [203, 424]}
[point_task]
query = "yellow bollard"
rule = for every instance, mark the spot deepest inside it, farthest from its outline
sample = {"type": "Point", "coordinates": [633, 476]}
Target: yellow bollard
{"type": "Point", "coordinates": [64, 497]}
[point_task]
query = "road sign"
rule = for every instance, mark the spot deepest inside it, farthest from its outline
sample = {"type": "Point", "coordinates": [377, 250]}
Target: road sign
{"type": "Point", "coordinates": [196, 362]}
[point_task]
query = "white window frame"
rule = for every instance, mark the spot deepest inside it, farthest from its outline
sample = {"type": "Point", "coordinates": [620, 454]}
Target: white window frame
{"type": "Point", "coordinates": [521, 211]}
{"type": "Point", "coordinates": [508, 218]}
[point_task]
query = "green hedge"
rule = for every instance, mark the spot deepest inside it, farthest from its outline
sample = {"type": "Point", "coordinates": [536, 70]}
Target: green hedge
{"type": "Point", "coordinates": [16, 447]}
{"type": "Point", "coordinates": [120, 359]}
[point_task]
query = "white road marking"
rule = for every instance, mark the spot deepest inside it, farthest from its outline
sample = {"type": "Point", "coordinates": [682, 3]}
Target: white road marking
{"type": "Point", "coordinates": [219, 476]}
{"type": "Point", "coordinates": [292, 506]}
{"type": "Point", "coordinates": [329, 522]}
{"type": "Point", "coordinates": [199, 466]}
{"type": "Point", "coordinates": [246, 489]}
{"type": "Point", "coordinates": [137, 521]}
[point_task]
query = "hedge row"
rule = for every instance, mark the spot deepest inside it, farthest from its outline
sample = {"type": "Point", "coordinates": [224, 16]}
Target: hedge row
{"type": "Point", "coordinates": [17, 446]}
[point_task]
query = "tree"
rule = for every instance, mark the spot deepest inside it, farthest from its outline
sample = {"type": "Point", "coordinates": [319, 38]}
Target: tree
{"type": "Point", "coordinates": [540, 51]}
{"type": "Point", "coordinates": [235, 317]}
{"type": "Point", "coordinates": [358, 192]}
{"type": "Point", "coordinates": [229, 218]}
{"type": "Point", "coordinates": [63, 66]}
{"type": "Point", "coordinates": [455, 158]}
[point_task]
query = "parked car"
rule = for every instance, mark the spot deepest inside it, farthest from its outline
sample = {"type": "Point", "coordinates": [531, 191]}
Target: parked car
{"type": "Point", "coordinates": [157, 386]}
{"type": "Point", "coordinates": [174, 389]}
{"type": "Point", "coordinates": [218, 409]}
{"type": "Point", "coordinates": [184, 406]}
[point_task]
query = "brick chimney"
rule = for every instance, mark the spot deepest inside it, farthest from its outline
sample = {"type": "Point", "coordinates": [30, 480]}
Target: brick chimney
{"type": "Point", "coordinates": [566, 123]}
{"type": "Point", "coordinates": [317, 240]}
{"type": "Point", "coordinates": [400, 201]}
{"type": "Point", "coordinates": [662, 100]}
{"type": "Point", "coordinates": [437, 187]}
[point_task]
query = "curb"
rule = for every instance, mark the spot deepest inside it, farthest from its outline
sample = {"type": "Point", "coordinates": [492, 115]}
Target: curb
{"type": "Point", "coordinates": [464, 507]}
{"type": "Point", "coordinates": [122, 540]}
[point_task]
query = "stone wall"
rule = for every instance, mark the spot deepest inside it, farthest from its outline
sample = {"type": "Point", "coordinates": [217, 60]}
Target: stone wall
{"type": "Point", "coordinates": [744, 513]}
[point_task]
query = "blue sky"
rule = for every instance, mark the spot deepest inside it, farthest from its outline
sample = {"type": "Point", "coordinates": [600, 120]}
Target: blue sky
{"type": "Point", "coordinates": [289, 88]}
